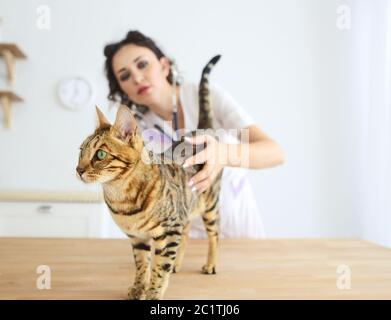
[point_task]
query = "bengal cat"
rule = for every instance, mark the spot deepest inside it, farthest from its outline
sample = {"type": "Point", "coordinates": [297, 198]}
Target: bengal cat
{"type": "Point", "coordinates": [149, 200]}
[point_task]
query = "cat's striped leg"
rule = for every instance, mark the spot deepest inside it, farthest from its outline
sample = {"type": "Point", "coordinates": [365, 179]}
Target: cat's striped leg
{"type": "Point", "coordinates": [166, 247]}
{"type": "Point", "coordinates": [181, 249]}
{"type": "Point", "coordinates": [210, 218]}
{"type": "Point", "coordinates": [142, 259]}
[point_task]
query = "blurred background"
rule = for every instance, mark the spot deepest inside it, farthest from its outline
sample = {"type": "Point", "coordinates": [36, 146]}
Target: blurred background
{"type": "Point", "coordinates": [315, 75]}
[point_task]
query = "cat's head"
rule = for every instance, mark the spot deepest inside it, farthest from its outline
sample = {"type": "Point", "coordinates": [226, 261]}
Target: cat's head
{"type": "Point", "coordinates": [111, 150]}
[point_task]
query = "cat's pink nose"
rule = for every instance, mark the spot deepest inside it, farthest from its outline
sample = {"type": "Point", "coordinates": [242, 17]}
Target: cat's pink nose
{"type": "Point", "coordinates": [80, 170]}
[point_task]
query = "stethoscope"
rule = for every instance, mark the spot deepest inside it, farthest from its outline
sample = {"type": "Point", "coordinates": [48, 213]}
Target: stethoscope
{"type": "Point", "coordinates": [175, 140]}
{"type": "Point", "coordinates": [174, 101]}
{"type": "Point", "coordinates": [140, 116]}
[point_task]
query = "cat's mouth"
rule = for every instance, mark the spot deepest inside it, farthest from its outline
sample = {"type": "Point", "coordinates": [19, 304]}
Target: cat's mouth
{"type": "Point", "coordinates": [94, 178]}
{"type": "Point", "coordinates": [87, 177]}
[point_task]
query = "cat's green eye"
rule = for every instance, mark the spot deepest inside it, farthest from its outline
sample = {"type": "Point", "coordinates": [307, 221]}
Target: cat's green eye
{"type": "Point", "coordinates": [100, 154]}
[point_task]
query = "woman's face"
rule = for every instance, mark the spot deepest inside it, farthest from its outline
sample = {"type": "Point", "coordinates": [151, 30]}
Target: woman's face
{"type": "Point", "coordinates": [141, 75]}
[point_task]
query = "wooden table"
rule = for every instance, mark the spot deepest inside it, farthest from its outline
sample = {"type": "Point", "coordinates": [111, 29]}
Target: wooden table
{"type": "Point", "coordinates": [248, 269]}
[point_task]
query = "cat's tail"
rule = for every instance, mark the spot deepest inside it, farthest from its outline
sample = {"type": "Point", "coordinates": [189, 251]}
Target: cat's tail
{"type": "Point", "coordinates": [206, 113]}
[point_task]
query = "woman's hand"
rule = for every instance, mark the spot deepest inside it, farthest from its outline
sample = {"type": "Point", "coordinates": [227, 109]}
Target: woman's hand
{"type": "Point", "coordinates": [213, 158]}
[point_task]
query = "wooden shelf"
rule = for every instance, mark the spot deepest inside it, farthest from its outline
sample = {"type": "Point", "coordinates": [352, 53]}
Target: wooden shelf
{"type": "Point", "coordinates": [15, 50]}
{"type": "Point", "coordinates": [10, 52]}
{"type": "Point", "coordinates": [6, 99]}
{"type": "Point", "coordinates": [10, 95]}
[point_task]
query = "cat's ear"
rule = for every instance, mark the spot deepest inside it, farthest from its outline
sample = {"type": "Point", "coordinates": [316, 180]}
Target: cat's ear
{"type": "Point", "coordinates": [102, 121]}
{"type": "Point", "coordinates": [125, 125]}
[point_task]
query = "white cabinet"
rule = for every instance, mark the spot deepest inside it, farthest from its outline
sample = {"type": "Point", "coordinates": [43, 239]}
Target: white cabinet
{"type": "Point", "coordinates": [54, 219]}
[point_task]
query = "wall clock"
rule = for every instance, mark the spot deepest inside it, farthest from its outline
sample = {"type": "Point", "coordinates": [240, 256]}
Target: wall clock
{"type": "Point", "coordinates": [75, 92]}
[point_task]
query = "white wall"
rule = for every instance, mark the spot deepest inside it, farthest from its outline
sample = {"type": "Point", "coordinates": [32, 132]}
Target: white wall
{"type": "Point", "coordinates": [284, 61]}
{"type": "Point", "coordinates": [370, 123]}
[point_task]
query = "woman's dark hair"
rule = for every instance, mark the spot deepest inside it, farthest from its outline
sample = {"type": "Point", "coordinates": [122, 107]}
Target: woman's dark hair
{"type": "Point", "coordinates": [137, 38]}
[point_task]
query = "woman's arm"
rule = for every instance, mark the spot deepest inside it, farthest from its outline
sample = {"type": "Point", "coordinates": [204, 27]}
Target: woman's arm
{"type": "Point", "coordinates": [255, 151]}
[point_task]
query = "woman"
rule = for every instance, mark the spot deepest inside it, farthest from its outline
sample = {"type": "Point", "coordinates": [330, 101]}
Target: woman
{"type": "Point", "coordinates": [140, 76]}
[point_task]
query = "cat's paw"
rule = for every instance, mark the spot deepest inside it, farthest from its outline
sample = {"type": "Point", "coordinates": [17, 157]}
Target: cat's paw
{"type": "Point", "coordinates": [136, 293]}
{"type": "Point", "coordinates": [153, 294]}
{"type": "Point", "coordinates": [209, 269]}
